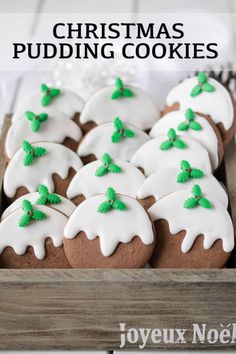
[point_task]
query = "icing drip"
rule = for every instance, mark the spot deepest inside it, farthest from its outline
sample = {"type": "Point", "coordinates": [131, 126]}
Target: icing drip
{"type": "Point", "coordinates": [163, 182]}
{"type": "Point", "coordinates": [53, 130]}
{"type": "Point", "coordinates": [113, 227]}
{"type": "Point", "coordinates": [65, 206]}
{"type": "Point", "coordinates": [99, 140]}
{"type": "Point", "coordinates": [139, 110]}
{"type": "Point", "coordinates": [205, 137]}
{"type": "Point", "coordinates": [217, 104]}
{"type": "Point", "coordinates": [196, 221]}
{"type": "Point", "coordinates": [86, 183]}
{"type": "Point", "coordinates": [34, 234]}
{"type": "Point", "coordinates": [151, 158]}
{"type": "Point", "coordinates": [58, 160]}
{"type": "Point", "coordinates": [64, 106]}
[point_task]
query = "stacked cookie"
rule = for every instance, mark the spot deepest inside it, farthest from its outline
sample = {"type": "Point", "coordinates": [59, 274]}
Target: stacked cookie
{"type": "Point", "coordinates": [146, 192]}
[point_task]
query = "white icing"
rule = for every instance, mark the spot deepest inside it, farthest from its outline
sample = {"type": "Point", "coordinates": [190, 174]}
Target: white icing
{"type": "Point", "coordinates": [217, 104]}
{"type": "Point", "coordinates": [139, 110]}
{"type": "Point", "coordinates": [163, 182]}
{"type": "Point", "coordinates": [213, 223]}
{"type": "Point", "coordinates": [66, 105]}
{"type": "Point", "coordinates": [112, 227]}
{"type": "Point", "coordinates": [206, 136]}
{"type": "Point", "coordinates": [65, 206]}
{"type": "Point", "coordinates": [34, 234]}
{"type": "Point", "coordinates": [86, 183]}
{"type": "Point", "coordinates": [58, 160]}
{"type": "Point", "coordinates": [151, 158]}
{"type": "Point", "coordinates": [98, 141]}
{"type": "Point", "coordinates": [52, 130]}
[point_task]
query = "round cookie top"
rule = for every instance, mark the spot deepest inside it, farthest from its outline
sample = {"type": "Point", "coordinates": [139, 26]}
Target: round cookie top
{"type": "Point", "coordinates": [215, 102]}
{"type": "Point", "coordinates": [51, 130]}
{"type": "Point", "coordinates": [167, 151]}
{"type": "Point", "coordinates": [34, 234]}
{"type": "Point", "coordinates": [115, 219]}
{"type": "Point", "coordinates": [35, 164]}
{"type": "Point", "coordinates": [65, 105]}
{"type": "Point", "coordinates": [43, 197]}
{"type": "Point", "coordinates": [190, 124]}
{"type": "Point", "coordinates": [118, 139]}
{"type": "Point", "coordinates": [136, 108]}
{"type": "Point", "coordinates": [167, 180]}
{"type": "Point", "coordinates": [95, 177]}
{"type": "Point", "coordinates": [196, 218]}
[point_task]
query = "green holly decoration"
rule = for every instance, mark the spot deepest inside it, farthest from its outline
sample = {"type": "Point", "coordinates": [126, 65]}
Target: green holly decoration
{"type": "Point", "coordinates": [107, 166]}
{"type": "Point", "coordinates": [202, 86]}
{"type": "Point", "coordinates": [173, 141]}
{"type": "Point", "coordinates": [31, 152]}
{"type": "Point", "coordinates": [121, 131]}
{"type": "Point", "coordinates": [48, 94]}
{"type": "Point", "coordinates": [190, 122]}
{"type": "Point", "coordinates": [111, 203]}
{"type": "Point", "coordinates": [45, 197]}
{"type": "Point", "coordinates": [36, 119]}
{"type": "Point", "coordinates": [120, 90]}
{"type": "Point", "coordinates": [30, 214]}
{"type": "Point", "coordinates": [188, 172]}
{"type": "Point", "coordinates": [197, 199]}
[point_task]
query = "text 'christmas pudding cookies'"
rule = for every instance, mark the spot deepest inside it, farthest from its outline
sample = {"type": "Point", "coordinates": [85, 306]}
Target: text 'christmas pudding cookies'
{"type": "Point", "coordinates": [41, 127]}
{"type": "Point", "coordinates": [132, 104]}
{"type": "Point", "coordinates": [194, 231]}
{"type": "Point", "coordinates": [112, 231]}
{"type": "Point", "coordinates": [32, 237]}
{"type": "Point", "coordinates": [196, 127]}
{"type": "Point", "coordinates": [58, 103]}
{"type": "Point", "coordinates": [168, 180]}
{"type": "Point", "coordinates": [50, 164]}
{"type": "Point", "coordinates": [167, 151]}
{"type": "Point", "coordinates": [95, 177]}
{"type": "Point", "coordinates": [43, 197]}
{"type": "Point", "coordinates": [118, 139]}
{"type": "Point", "coordinates": [208, 97]}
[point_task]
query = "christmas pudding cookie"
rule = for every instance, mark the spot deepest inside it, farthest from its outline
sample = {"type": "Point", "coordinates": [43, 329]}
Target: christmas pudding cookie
{"type": "Point", "coordinates": [196, 127]}
{"type": "Point", "coordinates": [43, 197]}
{"type": "Point", "coordinates": [194, 230]}
{"type": "Point", "coordinates": [50, 164]}
{"type": "Point", "coordinates": [168, 180]}
{"type": "Point", "coordinates": [95, 177]}
{"type": "Point", "coordinates": [207, 97]}
{"type": "Point", "coordinates": [119, 236]}
{"type": "Point", "coordinates": [32, 237]}
{"type": "Point", "coordinates": [58, 103]}
{"type": "Point", "coordinates": [167, 151]}
{"type": "Point", "coordinates": [41, 127]}
{"type": "Point", "coordinates": [132, 104]}
{"type": "Point", "coordinates": [118, 139]}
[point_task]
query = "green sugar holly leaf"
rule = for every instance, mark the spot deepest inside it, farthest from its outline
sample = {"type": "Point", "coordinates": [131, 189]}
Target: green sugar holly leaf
{"type": "Point", "coordinates": [24, 220]}
{"type": "Point", "coordinates": [121, 90]}
{"type": "Point", "coordinates": [46, 197]}
{"type": "Point", "coordinates": [205, 203]}
{"type": "Point", "coordinates": [101, 171]}
{"type": "Point", "coordinates": [190, 114]}
{"type": "Point", "coordinates": [196, 191]}
{"type": "Point", "coordinates": [121, 131]}
{"type": "Point", "coordinates": [31, 153]}
{"type": "Point", "coordinates": [119, 205]}
{"type": "Point", "coordinates": [28, 159]}
{"type": "Point", "coordinates": [171, 134]}
{"type": "Point", "coordinates": [183, 177]}
{"type": "Point", "coordinates": [27, 147]}
{"type": "Point", "coordinates": [183, 126]}
{"type": "Point", "coordinates": [104, 207]}
{"type": "Point", "coordinates": [195, 125]}
{"type": "Point", "coordinates": [27, 206]}
{"type": "Point", "coordinates": [202, 78]}
{"type": "Point", "coordinates": [39, 151]}
{"type": "Point", "coordinates": [118, 124]}
{"type": "Point", "coordinates": [116, 94]}
{"type": "Point", "coordinates": [43, 117]}
{"type": "Point", "coordinates": [208, 87]}
{"type": "Point", "coordinates": [35, 119]}
{"type": "Point", "coordinates": [203, 85]}
{"type": "Point", "coordinates": [129, 133]}
{"type": "Point", "coordinates": [119, 83]}
{"type": "Point", "coordinates": [44, 88]}
{"type": "Point", "coordinates": [46, 100]}
{"type": "Point", "coordinates": [38, 215]}
{"type": "Point", "coordinates": [42, 189]}
{"type": "Point", "coordinates": [111, 194]}
{"type": "Point", "coordinates": [35, 125]}
{"type": "Point", "coordinates": [196, 173]}
{"type": "Point", "coordinates": [180, 144]}
{"type": "Point", "coordinates": [196, 91]}
{"type": "Point", "coordinates": [53, 198]}
{"type": "Point", "coordinates": [184, 165]}
{"type": "Point", "coordinates": [127, 92]}
{"type": "Point", "coordinates": [116, 137]}
{"type": "Point", "coordinates": [106, 159]}
{"type": "Point", "coordinates": [42, 200]}
{"type": "Point", "coordinates": [49, 94]}
{"type": "Point", "coordinates": [166, 145]}
{"type": "Point", "coordinates": [30, 115]}
{"type": "Point", "coordinates": [114, 168]}
{"type": "Point", "coordinates": [54, 92]}
{"type": "Point", "coordinates": [190, 203]}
